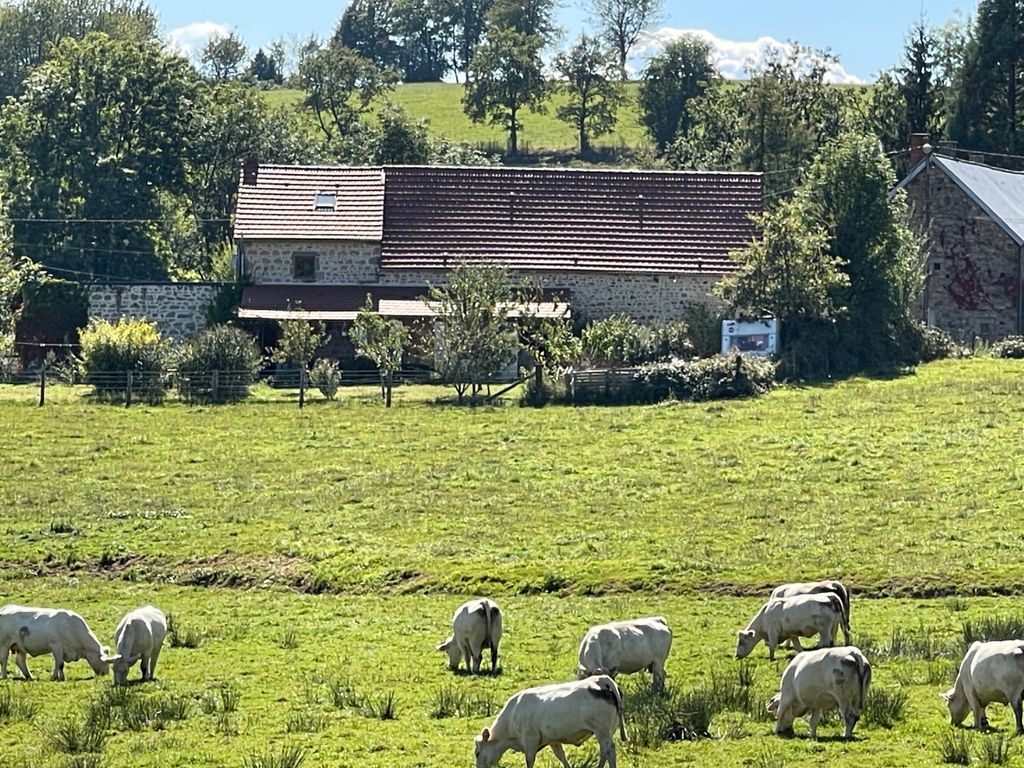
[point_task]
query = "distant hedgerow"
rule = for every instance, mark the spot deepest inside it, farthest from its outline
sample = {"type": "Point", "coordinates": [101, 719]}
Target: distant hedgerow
{"type": "Point", "coordinates": [1010, 347]}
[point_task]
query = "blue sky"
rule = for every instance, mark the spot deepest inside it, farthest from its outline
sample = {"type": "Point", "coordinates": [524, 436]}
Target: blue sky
{"type": "Point", "coordinates": [867, 35]}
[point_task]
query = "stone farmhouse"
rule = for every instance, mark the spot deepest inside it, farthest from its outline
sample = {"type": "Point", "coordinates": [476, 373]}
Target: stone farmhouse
{"type": "Point", "coordinates": [644, 243]}
{"type": "Point", "coordinates": [971, 217]}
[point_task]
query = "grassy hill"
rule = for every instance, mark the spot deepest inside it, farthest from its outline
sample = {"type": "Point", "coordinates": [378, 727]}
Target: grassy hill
{"type": "Point", "coordinates": [312, 560]}
{"type": "Point", "coordinates": [440, 104]}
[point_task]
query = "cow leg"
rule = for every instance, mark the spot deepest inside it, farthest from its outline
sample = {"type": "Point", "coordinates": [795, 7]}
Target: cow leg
{"type": "Point", "coordinates": [152, 663]}
{"type": "Point", "coordinates": [4, 657]}
{"type": "Point", "coordinates": [794, 643]}
{"type": "Point", "coordinates": [607, 753]}
{"type": "Point", "coordinates": [560, 754]}
{"type": "Point", "coordinates": [812, 723]}
{"type": "Point", "coordinates": [658, 671]}
{"type": "Point", "coordinates": [530, 753]}
{"type": "Point", "coordinates": [784, 717]}
{"type": "Point", "coordinates": [144, 662]}
{"type": "Point", "coordinates": [58, 662]}
{"type": "Point", "coordinates": [772, 642]}
{"type": "Point", "coordinates": [21, 661]}
{"type": "Point", "coordinates": [850, 718]}
{"type": "Point", "coordinates": [494, 657]}
{"type": "Point", "coordinates": [1015, 705]}
{"type": "Point", "coordinates": [467, 655]}
{"type": "Point", "coordinates": [977, 710]}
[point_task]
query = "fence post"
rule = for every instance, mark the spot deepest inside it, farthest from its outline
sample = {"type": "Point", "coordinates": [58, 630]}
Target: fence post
{"type": "Point", "coordinates": [42, 386]}
{"type": "Point", "coordinates": [214, 385]}
{"type": "Point", "coordinates": [128, 389]}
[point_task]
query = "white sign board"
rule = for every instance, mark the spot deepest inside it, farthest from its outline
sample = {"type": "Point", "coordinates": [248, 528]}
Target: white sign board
{"type": "Point", "coordinates": [755, 337]}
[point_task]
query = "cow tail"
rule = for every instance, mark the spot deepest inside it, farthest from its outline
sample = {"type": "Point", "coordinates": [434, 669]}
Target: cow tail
{"type": "Point", "coordinates": [489, 643]}
{"type": "Point", "coordinates": [864, 679]}
{"type": "Point", "coordinates": [844, 595]}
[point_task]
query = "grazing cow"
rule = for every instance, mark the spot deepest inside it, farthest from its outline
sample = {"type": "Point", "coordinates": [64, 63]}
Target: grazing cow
{"type": "Point", "coordinates": [553, 715]}
{"type": "Point", "coordinates": [35, 631]}
{"type": "Point", "coordinates": [140, 635]}
{"type": "Point", "coordinates": [792, 617]}
{"type": "Point", "coordinates": [476, 625]}
{"type": "Point", "coordinates": [817, 681]}
{"type": "Point", "coordinates": [990, 672]}
{"type": "Point", "coordinates": [626, 647]}
{"type": "Point", "coordinates": [817, 588]}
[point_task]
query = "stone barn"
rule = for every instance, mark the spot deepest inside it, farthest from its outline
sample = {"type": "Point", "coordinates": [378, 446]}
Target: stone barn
{"type": "Point", "coordinates": [644, 243]}
{"type": "Point", "coordinates": [971, 217]}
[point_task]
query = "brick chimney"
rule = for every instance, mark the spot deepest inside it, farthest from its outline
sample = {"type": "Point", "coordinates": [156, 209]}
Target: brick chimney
{"type": "Point", "coordinates": [250, 171]}
{"type": "Point", "coordinates": [917, 142]}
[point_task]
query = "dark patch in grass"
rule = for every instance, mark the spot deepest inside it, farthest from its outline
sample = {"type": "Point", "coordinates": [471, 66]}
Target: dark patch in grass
{"type": "Point", "coordinates": [289, 756]}
{"type": "Point", "coordinates": [991, 628]}
{"type": "Point", "coordinates": [179, 636]}
{"type": "Point", "coordinates": [451, 701]}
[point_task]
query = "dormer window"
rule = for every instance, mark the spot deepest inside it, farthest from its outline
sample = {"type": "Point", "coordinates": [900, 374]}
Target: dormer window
{"type": "Point", "coordinates": [325, 201]}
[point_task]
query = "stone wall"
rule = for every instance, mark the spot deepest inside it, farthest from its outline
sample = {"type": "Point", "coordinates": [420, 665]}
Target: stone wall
{"type": "Point", "coordinates": [336, 262]}
{"type": "Point", "coordinates": [972, 281]}
{"type": "Point", "coordinates": [178, 309]}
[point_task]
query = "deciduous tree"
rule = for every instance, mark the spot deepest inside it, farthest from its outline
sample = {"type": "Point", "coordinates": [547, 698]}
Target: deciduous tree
{"type": "Point", "coordinates": [621, 22]}
{"type": "Point", "coordinates": [382, 341]}
{"type": "Point", "coordinates": [683, 72]}
{"type": "Point", "coordinates": [222, 56]}
{"type": "Point", "coordinates": [300, 339]}
{"type": "Point", "coordinates": [593, 95]}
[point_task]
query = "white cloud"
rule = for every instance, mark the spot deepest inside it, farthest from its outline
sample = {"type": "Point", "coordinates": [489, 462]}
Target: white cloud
{"type": "Point", "coordinates": [733, 57]}
{"type": "Point", "coordinates": [189, 40]}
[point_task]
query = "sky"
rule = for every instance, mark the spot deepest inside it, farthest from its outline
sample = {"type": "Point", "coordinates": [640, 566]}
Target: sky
{"type": "Point", "coordinates": [866, 35]}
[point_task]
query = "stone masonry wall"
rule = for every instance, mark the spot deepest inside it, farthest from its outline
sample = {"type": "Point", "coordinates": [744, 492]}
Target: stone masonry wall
{"type": "Point", "coordinates": [972, 279]}
{"type": "Point", "coordinates": [178, 309]}
{"type": "Point", "coordinates": [336, 262]}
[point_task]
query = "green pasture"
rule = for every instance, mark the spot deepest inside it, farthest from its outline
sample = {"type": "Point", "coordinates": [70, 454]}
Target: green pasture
{"type": "Point", "coordinates": [325, 549]}
{"type": "Point", "coordinates": [440, 104]}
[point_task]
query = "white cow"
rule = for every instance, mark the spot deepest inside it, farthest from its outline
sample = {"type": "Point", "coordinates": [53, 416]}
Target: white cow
{"type": "Point", "coordinates": [791, 618]}
{"type": "Point", "coordinates": [817, 588]}
{"type": "Point", "coordinates": [35, 631]}
{"type": "Point", "coordinates": [626, 647]}
{"type": "Point", "coordinates": [990, 672]}
{"type": "Point", "coordinates": [817, 681]}
{"type": "Point", "coordinates": [140, 635]}
{"type": "Point", "coordinates": [476, 625]}
{"type": "Point", "coordinates": [553, 715]}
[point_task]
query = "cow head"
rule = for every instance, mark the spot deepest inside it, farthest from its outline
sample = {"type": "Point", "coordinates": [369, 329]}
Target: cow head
{"type": "Point", "coordinates": [121, 665]}
{"type": "Point", "coordinates": [773, 705]}
{"type": "Point", "coordinates": [746, 639]}
{"type": "Point", "coordinates": [486, 751]}
{"type": "Point", "coordinates": [450, 647]}
{"type": "Point", "coordinates": [100, 664]}
{"type": "Point", "coordinates": [957, 703]}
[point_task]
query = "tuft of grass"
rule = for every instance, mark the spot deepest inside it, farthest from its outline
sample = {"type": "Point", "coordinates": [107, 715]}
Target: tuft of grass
{"type": "Point", "coordinates": [381, 707]}
{"type": "Point", "coordinates": [62, 526]}
{"type": "Point", "coordinates": [290, 639]}
{"type": "Point", "coordinates": [71, 736]}
{"type": "Point", "coordinates": [655, 718]}
{"type": "Point", "coordinates": [956, 604]}
{"type": "Point", "coordinates": [452, 701]}
{"type": "Point", "coordinates": [181, 637]}
{"type": "Point", "coordinates": [82, 761]}
{"type": "Point", "coordinates": [885, 707]}
{"type": "Point", "coordinates": [955, 747]}
{"type": "Point", "coordinates": [767, 757]}
{"type": "Point", "coordinates": [305, 722]}
{"type": "Point", "coordinates": [991, 628]}
{"type": "Point", "coordinates": [14, 706]}
{"type": "Point", "coordinates": [906, 644]}
{"type": "Point", "coordinates": [289, 756]}
{"type": "Point", "coordinates": [223, 699]}
{"type": "Point", "coordinates": [994, 749]}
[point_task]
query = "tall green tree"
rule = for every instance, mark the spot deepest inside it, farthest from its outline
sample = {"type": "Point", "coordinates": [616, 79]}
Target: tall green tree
{"type": "Point", "coordinates": [468, 20]}
{"type": "Point", "coordinates": [99, 134]}
{"type": "Point", "coordinates": [532, 18]}
{"type": "Point", "coordinates": [987, 113]}
{"type": "Point", "coordinates": [368, 28]}
{"type": "Point", "coordinates": [506, 77]}
{"type": "Point", "coordinates": [426, 38]}
{"type": "Point", "coordinates": [621, 22]}
{"type": "Point", "coordinates": [340, 85]}
{"type": "Point", "coordinates": [29, 29]}
{"type": "Point", "coordinates": [920, 84]}
{"type": "Point", "coordinates": [593, 95]}
{"type": "Point", "coordinates": [264, 68]}
{"type": "Point", "coordinates": [222, 57]}
{"type": "Point", "coordinates": [383, 341]}
{"type": "Point", "coordinates": [683, 72]}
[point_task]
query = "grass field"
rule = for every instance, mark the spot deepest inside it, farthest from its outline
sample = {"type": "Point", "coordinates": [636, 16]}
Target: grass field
{"type": "Point", "coordinates": [440, 104]}
{"type": "Point", "coordinates": [317, 557]}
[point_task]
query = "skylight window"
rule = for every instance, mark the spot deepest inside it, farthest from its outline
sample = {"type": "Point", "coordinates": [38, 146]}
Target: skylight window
{"type": "Point", "coordinates": [325, 201]}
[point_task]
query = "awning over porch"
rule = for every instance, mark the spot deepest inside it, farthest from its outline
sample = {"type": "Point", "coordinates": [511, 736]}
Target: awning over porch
{"type": "Point", "coordinates": [343, 302]}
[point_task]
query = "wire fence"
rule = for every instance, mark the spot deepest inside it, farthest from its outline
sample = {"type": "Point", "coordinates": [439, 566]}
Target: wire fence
{"type": "Point", "coordinates": [156, 386]}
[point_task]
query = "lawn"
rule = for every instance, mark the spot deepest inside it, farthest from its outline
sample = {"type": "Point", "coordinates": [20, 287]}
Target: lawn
{"type": "Point", "coordinates": [311, 549]}
{"type": "Point", "coordinates": [440, 104]}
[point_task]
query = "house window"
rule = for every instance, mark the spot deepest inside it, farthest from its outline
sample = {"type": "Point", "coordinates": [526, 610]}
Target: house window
{"type": "Point", "coordinates": [304, 267]}
{"type": "Point", "coordinates": [325, 201]}
{"type": "Point", "coordinates": [937, 266]}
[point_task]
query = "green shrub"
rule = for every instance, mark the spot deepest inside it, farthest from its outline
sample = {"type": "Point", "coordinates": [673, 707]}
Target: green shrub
{"type": "Point", "coordinates": [620, 341]}
{"type": "Point", "coordinates": [925, 344]}
{"type": "Point", "coordinates": [326, 376]}
{"type": "Point", "coordinates": [991, 628]}
{"type": "Point", "coordinates": [218, 366]}
{"type": "Point", "coordinates": [52, 310]}
{"type": "Point", "coordinates": [1010, 347]}
{"type": "Point", "coordinates": [110, 351]}
{"type": "Point", "coordinates": [711, 378]}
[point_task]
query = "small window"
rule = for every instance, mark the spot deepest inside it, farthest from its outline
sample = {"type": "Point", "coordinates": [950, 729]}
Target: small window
{"type": "Point", "coordinates": [937, 266]}
{"type": "Point", "coordinates": [304, 267]}
{"type": "Point", "coordinates": [325, 201]}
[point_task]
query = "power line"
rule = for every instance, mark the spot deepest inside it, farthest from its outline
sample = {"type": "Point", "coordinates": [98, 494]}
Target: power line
{"type": "Point", "coordinates": [76, 249]}
{"type": "Point", "coordinates": [70, 220]}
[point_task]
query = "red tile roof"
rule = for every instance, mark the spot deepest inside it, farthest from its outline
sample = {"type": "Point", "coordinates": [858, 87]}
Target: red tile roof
{"type": "Point", "coordinates": [567, 219]}
{"type": "Point", "coordinates": [281, 205]}
{"type": "Point", "coordinates": [429, 217]}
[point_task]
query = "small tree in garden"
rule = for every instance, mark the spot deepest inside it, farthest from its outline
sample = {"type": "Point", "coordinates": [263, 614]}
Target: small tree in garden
{"type": "Point", "coordinates": [381, 340]}
{"type": "Point", "coordinates": [475, 337]}
{"type": "Point", "coordinates": [300, 339]}
{"type": "Point", "coordinates": [217, 366]}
